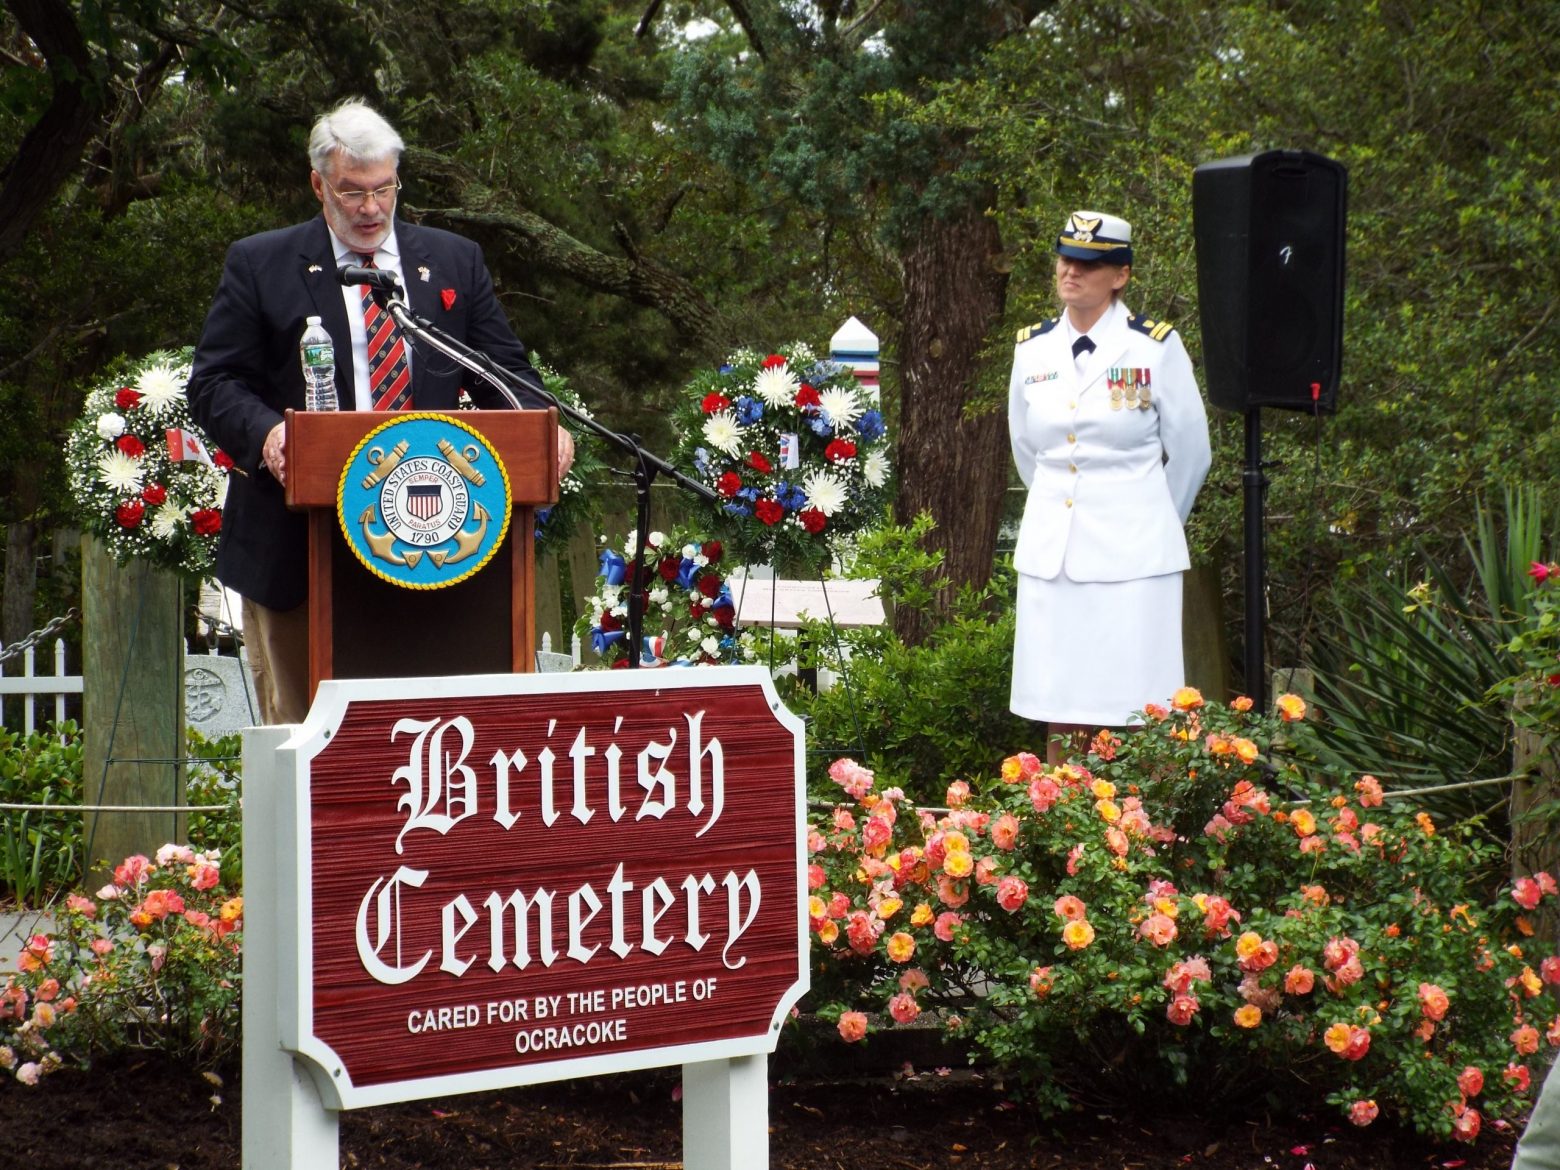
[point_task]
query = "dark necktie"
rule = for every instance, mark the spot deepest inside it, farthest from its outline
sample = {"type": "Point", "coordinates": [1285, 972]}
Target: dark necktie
{"type": "Point", "coordinates": [1082, 346]}
{"type": "Point", "coordinates": [389, 375]}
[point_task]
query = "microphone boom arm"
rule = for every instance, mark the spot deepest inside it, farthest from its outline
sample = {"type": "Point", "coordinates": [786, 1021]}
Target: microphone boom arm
{"type": "Point", "coordinates": [506, 381]}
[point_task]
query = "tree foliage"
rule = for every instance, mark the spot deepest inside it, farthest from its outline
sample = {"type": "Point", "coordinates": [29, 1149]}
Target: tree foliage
{"type": "Point", "coordinates": [656, 181]}
{"type": "Point", "coordinates": [1444, 116]}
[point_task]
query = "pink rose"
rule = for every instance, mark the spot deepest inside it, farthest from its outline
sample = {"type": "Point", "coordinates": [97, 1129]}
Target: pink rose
{"type": "Point", "coordinates": [903, 1008]}
{"type": "Point", "coordinates": [852, 1026]}
{"type": "Point", "coordinates": [1012, 893]}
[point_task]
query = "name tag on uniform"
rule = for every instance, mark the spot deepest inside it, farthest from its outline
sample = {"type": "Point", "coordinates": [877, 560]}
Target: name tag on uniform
{"type": "Point", "coordinates": [1049, 377]}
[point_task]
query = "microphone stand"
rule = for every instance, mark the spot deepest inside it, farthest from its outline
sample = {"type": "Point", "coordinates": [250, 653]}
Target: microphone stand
{"type": "Point", "coordinates": [647, 465]}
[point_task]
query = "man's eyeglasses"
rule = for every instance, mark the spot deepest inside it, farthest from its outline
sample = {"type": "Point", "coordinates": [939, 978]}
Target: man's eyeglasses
{"type": "Point", "coordinates": [355, 199]}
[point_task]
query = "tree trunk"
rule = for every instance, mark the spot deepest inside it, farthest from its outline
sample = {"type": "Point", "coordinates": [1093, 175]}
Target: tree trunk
{"type": "Point", "coordinates": [1202, 634]}
{"type": "Point", "coordinates": [949, 465]}
{"type": "Point", "coordinates": [51, 150]}
{"type": "Point", "coordinates": [1534, 846]}
{"type": "Point", "coordinates": [21, 581]}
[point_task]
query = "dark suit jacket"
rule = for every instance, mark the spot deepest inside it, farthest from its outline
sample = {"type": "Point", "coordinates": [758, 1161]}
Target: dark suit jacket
{"type": "Point", "coordinates": [247, 371]}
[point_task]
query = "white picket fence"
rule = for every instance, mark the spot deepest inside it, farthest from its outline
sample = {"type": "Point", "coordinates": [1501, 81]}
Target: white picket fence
{"type": "Point", "coordinates": [33, 687]}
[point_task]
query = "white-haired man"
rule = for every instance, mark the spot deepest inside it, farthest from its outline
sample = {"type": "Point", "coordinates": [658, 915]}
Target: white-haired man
{"type": "Point", "coordinates": [247, 371]}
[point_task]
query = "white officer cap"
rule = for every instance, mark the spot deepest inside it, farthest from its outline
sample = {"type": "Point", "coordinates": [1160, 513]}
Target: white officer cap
{"type": "Point", "coordinates": [1093, 235]}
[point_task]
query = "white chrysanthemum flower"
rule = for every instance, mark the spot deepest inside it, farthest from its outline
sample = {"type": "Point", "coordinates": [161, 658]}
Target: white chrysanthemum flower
{"type": "Point", "coordinates": [711, 646]}
{"type": "Point", "coordinates": [119, 472]}
{"type": "Point", "coordinates": [874, 469]}
{"type": "Point", "coordinates": [167, 519]}
{"type": "Point", "coordinates": [110, 426]}
{"type": "Point", "coordinates": [160, 387]}
{"type": "Point", "coordinates": [840, 406]}
{"type": "Point", "coordinates": [824, 492]}
{"type": "Point", "coordinates": [722, 432]}
{"type": "Point", "coordinates": [217, 485]}
{"type": "Point", "coordinates": [777, 386]}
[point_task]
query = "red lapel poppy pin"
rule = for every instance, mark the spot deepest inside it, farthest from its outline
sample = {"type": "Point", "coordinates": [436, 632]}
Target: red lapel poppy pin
{"type": "Point", "coordinates": [447, 295]}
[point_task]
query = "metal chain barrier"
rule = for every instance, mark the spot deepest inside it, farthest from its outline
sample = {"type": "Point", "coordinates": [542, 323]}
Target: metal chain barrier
{"type": "Point", "coordinates": [219, 628]}
{"type": "Point", "coordinates": [21, 646]}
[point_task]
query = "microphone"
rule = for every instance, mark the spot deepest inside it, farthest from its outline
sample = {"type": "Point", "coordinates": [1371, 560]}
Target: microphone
{"type": "Point", "coordinates": [379, 278]}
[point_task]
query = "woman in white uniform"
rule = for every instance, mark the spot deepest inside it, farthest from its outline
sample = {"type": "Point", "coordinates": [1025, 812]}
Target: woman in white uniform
{"type": "Point", "coordinates": [1111, 439]}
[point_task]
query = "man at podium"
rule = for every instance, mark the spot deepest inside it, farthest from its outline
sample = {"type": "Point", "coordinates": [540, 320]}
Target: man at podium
{"type": "Point", "coordinates": [247, 369]}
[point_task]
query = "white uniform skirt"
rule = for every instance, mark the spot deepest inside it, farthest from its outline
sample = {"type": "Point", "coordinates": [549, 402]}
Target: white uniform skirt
{"type": "Point", "coordinates": [1095, 652]}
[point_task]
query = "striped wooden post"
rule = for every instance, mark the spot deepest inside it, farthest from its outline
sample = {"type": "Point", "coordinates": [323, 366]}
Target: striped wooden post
{"type": "Point", "coordinates": [856, 346]}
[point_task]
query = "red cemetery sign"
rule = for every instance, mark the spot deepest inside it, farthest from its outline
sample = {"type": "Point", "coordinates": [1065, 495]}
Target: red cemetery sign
{"type": "Point", "coordinates": [510, 879]}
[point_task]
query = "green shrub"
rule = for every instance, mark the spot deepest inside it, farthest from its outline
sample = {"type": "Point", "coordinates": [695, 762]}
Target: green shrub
{"type": "Point", "coordinates": [212, 778]}
{"type": "Point", "coordinates": [40, 851]}
{"type": "Point", "coordinates": [150, 961]}
{"type": "Point", "coordinates": [1407, 670]}
{"type": "Point", "coordinates": [1532, 693]}
{"type": "Point", "coordinates": [1190, 911]}
{"type": "Point", "coordinates": [924, 713]}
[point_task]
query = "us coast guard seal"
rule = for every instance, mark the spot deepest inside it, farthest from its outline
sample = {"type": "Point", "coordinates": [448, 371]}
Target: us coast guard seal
{"type": "Point", "coordinates": [424, 501]}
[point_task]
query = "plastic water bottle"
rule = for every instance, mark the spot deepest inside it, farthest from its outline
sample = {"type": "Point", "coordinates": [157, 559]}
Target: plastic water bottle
{"type": "Point", "coordinates": [318, 355]}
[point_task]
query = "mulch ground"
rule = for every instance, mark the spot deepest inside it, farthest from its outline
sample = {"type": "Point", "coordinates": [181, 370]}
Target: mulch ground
{"type": "Point", "coordinates": [153, 1114]}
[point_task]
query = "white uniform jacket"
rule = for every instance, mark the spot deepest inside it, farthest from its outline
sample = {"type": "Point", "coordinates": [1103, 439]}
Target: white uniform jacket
{"type": "Point", "coordinates": [1109, 489]}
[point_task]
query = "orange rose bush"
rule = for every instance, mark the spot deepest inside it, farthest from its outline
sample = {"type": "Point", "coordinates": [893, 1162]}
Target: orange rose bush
{"type": "Point", "coordinates": [1187, 909]}
{"type": "Point", "coordinates": [150, 961]}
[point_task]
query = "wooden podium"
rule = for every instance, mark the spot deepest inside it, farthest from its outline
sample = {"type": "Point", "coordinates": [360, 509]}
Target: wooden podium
{"type": "Point", "coordinates": [361, 626]}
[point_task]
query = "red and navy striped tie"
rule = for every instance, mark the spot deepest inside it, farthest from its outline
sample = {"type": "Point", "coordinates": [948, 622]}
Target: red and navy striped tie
{"type": "Point", "coordinates": [389, 375]}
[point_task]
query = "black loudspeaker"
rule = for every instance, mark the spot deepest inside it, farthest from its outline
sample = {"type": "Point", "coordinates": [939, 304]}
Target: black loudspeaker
{"type": "Point", "coordinates": [1269, 233]}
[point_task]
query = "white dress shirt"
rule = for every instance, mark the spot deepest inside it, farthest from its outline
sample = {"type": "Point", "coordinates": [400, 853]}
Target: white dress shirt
{"type": "Point", "coordinates": [387, 257]}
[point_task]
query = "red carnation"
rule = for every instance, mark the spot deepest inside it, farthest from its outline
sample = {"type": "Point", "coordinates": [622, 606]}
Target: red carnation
{"type": "Point", "coordinates": [758, 463]}
{"type": "Point", "coordinates": [223, 460]}
{"type": "Point", "coordinates": [725, 617]}
{"type": "Point", "coordinates": [206, 521]}
{"type": "Point", "coordinates": [129, 513]}
{"type": "Point", "coordinates": [729, 484]}
{"type": "Point", "coordinates": [126, 398]}
{"type": "Point", "coordinates": [131, 446]}
{"type": "Point", "coordinates": [839, 450]}
{"type": "Point", "coordinates": [769, 512]}
{"type": "Point", "coordinates": [714, 402]}
{"type": "Point", "coordinates": [154, 494]}
{"type": "Point", "coordinates": [609, 622]}
{"type": "Point", "coordinates": [669, 568]}
{"type": "Point", "coordinates": [773, 360]}
{"type": "Point", "coordinates": [711, 550]}
{"type": "Point", "coordinates": [807, 396]}
{"type": "Point", "coordinates": [709, 585]}
{"type": "Point", "coordinates": [620, 664]}
{"type": "Point", "coordinates": [696, 609]}
{"type": "Point", "coordinates": [812, 519]}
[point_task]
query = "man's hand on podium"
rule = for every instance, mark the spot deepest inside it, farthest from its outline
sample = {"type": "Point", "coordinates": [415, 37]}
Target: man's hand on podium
{"type": "Point", "coordinates": [273, 455]}
{"type": "Point", "coordinates": [565, 452]}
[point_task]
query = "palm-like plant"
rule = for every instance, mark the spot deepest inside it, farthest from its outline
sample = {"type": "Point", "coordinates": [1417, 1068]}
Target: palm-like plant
{"type": "Point", "coordinates": [1405, 671]}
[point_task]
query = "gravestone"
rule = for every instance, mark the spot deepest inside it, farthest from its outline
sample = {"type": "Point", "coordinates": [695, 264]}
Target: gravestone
{"type": "Point", "coordinates": [219, 695]}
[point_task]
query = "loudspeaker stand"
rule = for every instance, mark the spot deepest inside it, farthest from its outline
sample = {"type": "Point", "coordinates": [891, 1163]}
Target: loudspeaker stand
{"type": "Point", "coordinates": [1254, 485]}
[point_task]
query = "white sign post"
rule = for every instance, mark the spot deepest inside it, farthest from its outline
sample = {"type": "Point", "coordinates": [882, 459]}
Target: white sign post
{"type": "Point", "coordinates": [460, 884]}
